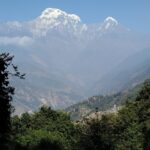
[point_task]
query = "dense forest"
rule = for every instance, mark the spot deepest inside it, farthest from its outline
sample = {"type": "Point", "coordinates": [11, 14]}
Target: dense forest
{"type": "Point", "coordinates": [47, 129]}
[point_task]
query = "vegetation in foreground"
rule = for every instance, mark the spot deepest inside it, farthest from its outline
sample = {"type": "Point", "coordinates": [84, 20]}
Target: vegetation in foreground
{"type": "Point", "coordinates": [129, 129]}
{"type": "Point", "coordinates": [48, 129]}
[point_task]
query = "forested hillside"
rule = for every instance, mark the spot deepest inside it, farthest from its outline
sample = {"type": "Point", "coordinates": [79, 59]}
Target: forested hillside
{"type": "Point", "coordinates": [102, 103]}
{"type": "Point", "coordinates": [48, 129]}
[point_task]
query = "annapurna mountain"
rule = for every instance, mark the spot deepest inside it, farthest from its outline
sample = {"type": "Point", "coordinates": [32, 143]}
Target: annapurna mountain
{"type": "Point", "coordinates": [63, 57]}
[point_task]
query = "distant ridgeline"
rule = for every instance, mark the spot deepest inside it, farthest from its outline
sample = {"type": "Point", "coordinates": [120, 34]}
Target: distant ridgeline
{"type": "Point", "coordinates": [107, 103]}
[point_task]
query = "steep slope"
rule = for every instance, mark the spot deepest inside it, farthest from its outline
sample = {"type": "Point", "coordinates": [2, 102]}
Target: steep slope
{"type": "Point", "coordinates": [132, 71]}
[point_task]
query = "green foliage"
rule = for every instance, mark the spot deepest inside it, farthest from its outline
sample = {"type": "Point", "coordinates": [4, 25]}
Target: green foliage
{"type": "Point", "coordinates": [6, 92]}
{"type": "Point", "coordinates": [102, 103]}
{"type": "Point", "coordinates": [47, 126]}
{"type": "Point", "coordinates": [143, 105]}
{"type": "Point", "coordinates": [41, 139]}
{"type": "Point", "coordinates": [128, 129]}
{"type": "Point", "coordinates": [98, 134]}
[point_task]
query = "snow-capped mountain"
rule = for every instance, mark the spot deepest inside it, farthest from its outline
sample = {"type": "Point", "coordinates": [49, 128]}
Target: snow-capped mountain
{"type": "Point", "coordinates": [57, 19]}
{"type": "Point", "coordinates": [51, 18]}
{"type": "Point", "coordinates": [62, 56]}
{"type": "Point", "coordinates": [110, 22]}
{"type": "Point", "coordinates": [54, 21]}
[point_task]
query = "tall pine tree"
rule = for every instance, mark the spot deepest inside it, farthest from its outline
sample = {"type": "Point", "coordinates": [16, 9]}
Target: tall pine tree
{"type": "Point", "coordinates": [6, 93]}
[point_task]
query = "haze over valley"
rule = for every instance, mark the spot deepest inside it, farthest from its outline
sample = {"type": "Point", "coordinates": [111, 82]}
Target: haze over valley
{"type": "Point", "coordinates": [67, 60]}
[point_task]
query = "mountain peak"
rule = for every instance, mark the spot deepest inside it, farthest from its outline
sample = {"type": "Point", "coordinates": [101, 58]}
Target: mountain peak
{"type": "Point", "coordinates": [111, 19]}
{"type": "Point", "coordinates": [54, 14]}
{"type": "Point", "coordinates": [110, 22]}
{"type": "Point", "coordinates": [53, 18]}
{"type": "Point", "coordinates": [51, 13]}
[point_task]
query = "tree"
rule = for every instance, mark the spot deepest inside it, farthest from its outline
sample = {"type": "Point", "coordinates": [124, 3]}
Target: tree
{"type": "Point", "coordinates": [6, 93]}
{"type": "Point", "coordinates": [134, 122]}
{"type": "Point", "coordinates": [143, 105]}
{"type": "Point", "coordinates": [98, 133]}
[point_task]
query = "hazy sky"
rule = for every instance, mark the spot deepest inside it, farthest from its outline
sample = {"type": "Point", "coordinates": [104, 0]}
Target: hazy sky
{"type": "Point", "coordinates": [134, 14]}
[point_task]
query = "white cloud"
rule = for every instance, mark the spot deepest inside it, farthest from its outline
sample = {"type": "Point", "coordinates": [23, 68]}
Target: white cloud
{"type": "Point", "coordinates": [14, 24]}
{"type": "Point", "coordinates": [20, 41]}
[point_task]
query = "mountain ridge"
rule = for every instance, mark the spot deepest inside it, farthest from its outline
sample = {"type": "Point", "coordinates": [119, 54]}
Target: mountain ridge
{"type": "Point", "coordinates": [63, 62]}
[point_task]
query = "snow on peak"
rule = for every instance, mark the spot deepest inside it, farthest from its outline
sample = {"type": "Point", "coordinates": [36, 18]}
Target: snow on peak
{"type": "Point", "coordinates": [61, 21]}
{"type": "Point", "coordinates": [111, 19]}
{"type": "Point", "coordinates": [54, 13]}
{"type": "Point", "coordinates": [51, 13]}
{"type": "Point", "coordinates": [57, 16]}
{"type": "Point", "coordinates": [110, 22]}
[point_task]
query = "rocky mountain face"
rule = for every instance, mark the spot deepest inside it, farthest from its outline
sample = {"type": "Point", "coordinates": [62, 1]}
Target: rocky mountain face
{"type": "Point", "coordinates": [64, 58]}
